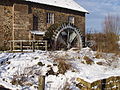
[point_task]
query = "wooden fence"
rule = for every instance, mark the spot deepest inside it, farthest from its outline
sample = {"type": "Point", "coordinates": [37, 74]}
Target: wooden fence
{"type": "Point", "coordinates": [28, 45]}
{"type": "Point", "coordinates": [111, 83]}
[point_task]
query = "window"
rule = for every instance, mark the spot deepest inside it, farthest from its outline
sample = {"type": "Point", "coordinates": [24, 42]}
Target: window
{"type": "Point", "coordinates": [50, 18]}
{"type": "Point", "coordinates": [71, 19]}
{"type": "Point", "coordinates": [35, 23]}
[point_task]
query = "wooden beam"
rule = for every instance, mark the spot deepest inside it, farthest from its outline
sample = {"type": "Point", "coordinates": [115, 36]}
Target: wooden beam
{"type": "Point", "coordinates": [41, 83]}
{"type": "Point", "coordinates": [21, 46]}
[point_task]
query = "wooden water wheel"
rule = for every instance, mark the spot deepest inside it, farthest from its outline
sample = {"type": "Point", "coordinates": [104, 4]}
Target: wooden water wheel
{"type": "Point", "coordinates": [65, 36]}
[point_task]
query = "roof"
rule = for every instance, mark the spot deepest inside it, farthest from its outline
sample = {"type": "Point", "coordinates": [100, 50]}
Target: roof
{"type": "Point", "coordinates": [68, 4]}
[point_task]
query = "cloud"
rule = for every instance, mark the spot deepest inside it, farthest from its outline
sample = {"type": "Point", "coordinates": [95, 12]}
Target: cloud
{"type": "Point", "coordinates": [98, 10]}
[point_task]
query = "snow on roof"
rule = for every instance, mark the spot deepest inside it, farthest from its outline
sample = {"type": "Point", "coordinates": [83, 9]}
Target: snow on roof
{"type": "Point", "coordinates": [38, 32]}
{"type": "Point", "coordinates": [69, 4]}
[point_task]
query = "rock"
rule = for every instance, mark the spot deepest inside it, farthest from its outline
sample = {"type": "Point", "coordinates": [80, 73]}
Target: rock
{"type": "Point", "coordinates": [50, 72]}
{"type": "Point", "coordinates": [100, 63]}
{"type": "Point", "coordinates": [41, 64]}
{"type": "Point", "coordinates": [87, 60]}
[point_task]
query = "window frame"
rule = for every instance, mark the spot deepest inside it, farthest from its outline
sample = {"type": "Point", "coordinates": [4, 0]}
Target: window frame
{"type": "Point", "coordinates": [71, 19]}
{"type": "Point", "coordinates": [35, 22]}
{"type": "Point", "coordinates": [50, 18]}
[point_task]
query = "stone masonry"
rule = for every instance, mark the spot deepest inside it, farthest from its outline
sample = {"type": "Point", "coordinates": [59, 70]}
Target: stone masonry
{"type": "Point", "coordinates": [16, 19]}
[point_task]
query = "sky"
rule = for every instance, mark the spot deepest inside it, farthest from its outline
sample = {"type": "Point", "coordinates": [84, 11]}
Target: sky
{"type": "Point", "coordinates": [98, 10]}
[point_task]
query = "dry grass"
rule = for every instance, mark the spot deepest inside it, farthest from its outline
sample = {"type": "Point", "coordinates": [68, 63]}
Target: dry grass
{"type": "Point", "coordinates": [63, 66]}
{"type": "Point", "coordinates": [98, 55]}
{"type": "Point", "coordinates": [88, 60]}
{"type": "Point", "coordinates": [67, 86]}
{"type": "Point", "coordinates": [107, 41]}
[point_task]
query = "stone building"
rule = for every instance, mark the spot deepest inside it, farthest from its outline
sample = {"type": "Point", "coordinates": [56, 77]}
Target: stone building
{"type": "Point", "coordinates": [19, 19]}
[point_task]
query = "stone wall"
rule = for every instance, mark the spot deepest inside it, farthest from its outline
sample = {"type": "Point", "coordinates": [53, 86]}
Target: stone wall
{"type": "Point", "coordinates": [61, 15]}
{"type": "Point", "coordinates": [16, 19]}
{"type": "Point", "coordinates": [111, 83]}
{"type": "Point", "coordinates": [5, 25]}
{"type": "Point", "coordinates": [21, 19]}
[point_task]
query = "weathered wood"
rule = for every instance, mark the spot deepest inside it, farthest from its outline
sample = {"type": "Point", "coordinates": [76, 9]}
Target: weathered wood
{"type": "Point", "coordinates": [46, 45]}
{"type": "Point", "coordinates": [29, 44]}
{"type": "Point", "coordinates": [11, 46]}
{"type": "Point", "coordinates": [41, 83]}
{"type": "Point", "coordinates": [21, 45]}
{"type": "Point", "coordinates": [33, 46]}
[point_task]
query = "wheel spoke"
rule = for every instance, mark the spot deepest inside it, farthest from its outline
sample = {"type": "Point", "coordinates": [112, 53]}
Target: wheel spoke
{"type": "Point", "coordinates": [68, 37]}
{"type": "Point", "coordinates": [61, 40]}
{"type": "Point", "coordinates": [72, 37]}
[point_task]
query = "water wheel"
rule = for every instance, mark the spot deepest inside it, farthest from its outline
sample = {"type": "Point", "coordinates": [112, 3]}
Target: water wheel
{"type": "Point", "coordinates": [64, 36]}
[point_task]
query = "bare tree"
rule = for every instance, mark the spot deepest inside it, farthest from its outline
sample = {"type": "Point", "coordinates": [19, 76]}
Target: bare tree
{"type": "Point", "coordinates": [112, 24]}
{"type": "Point", "coordinates": [111, 30]}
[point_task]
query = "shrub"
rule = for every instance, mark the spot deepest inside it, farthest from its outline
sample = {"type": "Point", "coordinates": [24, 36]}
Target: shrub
{"type": "Point", "coordinates": [108, 40]}
{"type": "Point", "coordinates": [50, 72]}
{"type": "Point", "coordinates": [63, 66]}
{"type": "Point", "coordinates": [98, 55]}
{"type": "Point", "coordinates": [100, 63]}
{"type": "Point", "coordinates": [105, 42]}
{"type": "Point", "coordinates": [14, 81]}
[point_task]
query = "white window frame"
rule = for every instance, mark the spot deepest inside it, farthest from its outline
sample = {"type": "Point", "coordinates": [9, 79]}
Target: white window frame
{"type": "Point", "coordinates": [50, 18]}
{"type": "Point", "coordinates": [71, 19]}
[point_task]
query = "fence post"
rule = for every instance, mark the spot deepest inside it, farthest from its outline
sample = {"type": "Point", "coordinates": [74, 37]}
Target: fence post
{"type": "Point", "coordinates": [11, 46]}
{"type": "Point", "coordinates": [21, 45]}
{"type": "Point", "coordinates": [13, 43]}
{"type": "Point", "coordinates": [46, 45]}
{"type": "Point", "coordinates": [103, 83]}
{"type": "Point", "coordinates": [33, 46]}
{"type": "Point", "coordinates": [41, 85]}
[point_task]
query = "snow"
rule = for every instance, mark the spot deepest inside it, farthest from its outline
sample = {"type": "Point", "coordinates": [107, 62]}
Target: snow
{"type": "Point", "coordinates": [17, 65]}
{"type": "Point", "coordinates": [37, 32]}
{"type": "Point", "coordinates": [119, 43]}
{"type": "Point", "coordinates": [69, 4]}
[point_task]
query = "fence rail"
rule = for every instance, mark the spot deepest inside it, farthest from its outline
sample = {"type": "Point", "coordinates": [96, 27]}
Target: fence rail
{"type": "Point", "coordinates": [28, 45]}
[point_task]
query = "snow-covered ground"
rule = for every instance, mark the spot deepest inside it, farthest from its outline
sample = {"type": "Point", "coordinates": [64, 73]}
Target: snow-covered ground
{"type": "Point", "coordinates": [21, 70]}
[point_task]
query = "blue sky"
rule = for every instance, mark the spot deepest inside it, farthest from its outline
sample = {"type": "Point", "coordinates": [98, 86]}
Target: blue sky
{"type": "Point", "coordinates": [98, 9]}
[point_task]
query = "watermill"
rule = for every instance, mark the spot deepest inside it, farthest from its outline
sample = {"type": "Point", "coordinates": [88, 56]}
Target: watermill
{"type": "Point", "coordinates": [64, 36]}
